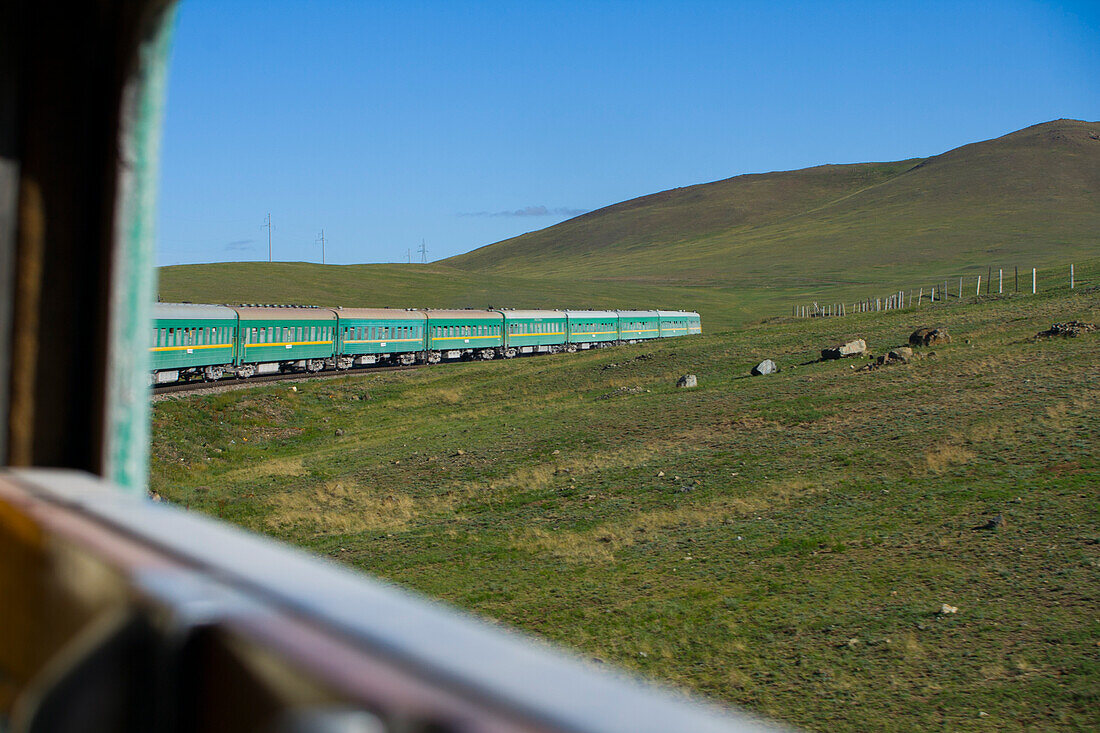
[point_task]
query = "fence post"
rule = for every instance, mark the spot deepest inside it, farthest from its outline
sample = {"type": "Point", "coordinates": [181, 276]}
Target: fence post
{"type": "Point", "coordinates": [1071, 277]}
{"type": "Point", "coordinates": [988, 280]}
{"type": "Point", "coordinates": [1000, 281]}
{"type": "Point", "coordinates": [978, 290]}
{"type": "Point", "coordinates": [1033, 281]}
{"type": "Point", "coordinates": [1017, 271]}
{"type": "Point", "coordinates": [960, 288]}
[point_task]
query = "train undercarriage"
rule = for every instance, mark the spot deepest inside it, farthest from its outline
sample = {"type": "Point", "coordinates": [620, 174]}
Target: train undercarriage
{"type": "Point", "coordinates": [214, 373]}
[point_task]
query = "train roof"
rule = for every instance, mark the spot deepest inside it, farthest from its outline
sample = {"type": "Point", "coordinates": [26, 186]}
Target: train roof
{"type": "Point", "coordinates": [289, 313]}
{"type": "Point", "coordinates": [510, 314]}
{"type": "Point", "coordinates": [591, 314]}
{"type": "Point", "coordinates": [469, 314]}
{"type": "Point", "coordinates": [193, 311]}
{"type": "Point", "coordinates": [674, 314]}
{"type": "Point", "coordinates": [638, 314]}
{"type": "Point", "coordinates": [378, 314]}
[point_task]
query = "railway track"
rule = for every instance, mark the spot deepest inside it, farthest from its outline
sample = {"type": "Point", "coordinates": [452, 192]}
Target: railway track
{"type": "Point", "coordinates": [231, 383]}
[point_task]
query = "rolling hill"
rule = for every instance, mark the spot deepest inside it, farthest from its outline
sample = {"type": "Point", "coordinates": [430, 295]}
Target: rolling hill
{"type": "Point", "coordinates": [746, 247]}
{"type": "Point", "coordinates": [1032, 196]}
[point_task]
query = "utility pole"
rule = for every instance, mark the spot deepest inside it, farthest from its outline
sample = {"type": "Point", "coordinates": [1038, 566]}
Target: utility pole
{"type": "Point", "coordinates": [408, 256]}
{"type": "Point", "coordinates": [268, 225]}
{"type": "Point", "coordinates": [423, 251]}
{"type": "Point", "coordinates": [321, 239]}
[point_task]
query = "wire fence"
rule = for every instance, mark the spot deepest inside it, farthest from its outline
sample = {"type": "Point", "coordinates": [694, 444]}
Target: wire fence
{"type": "Point", "coordinates": [950, 289]}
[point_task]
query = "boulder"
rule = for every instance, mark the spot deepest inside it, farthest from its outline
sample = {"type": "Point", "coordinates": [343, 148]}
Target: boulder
{"type": "Point", "coordinates": [852, 348]}
{"type": "Point", "coordinates": [901, 354]}
{"type": "Point", "coordinates": [687, 381]}
{"type": "Point", "coordinates": [929, 337]}
{"type": "Point", "coordinates": [1069, 328]}
{"type": "Point", "coordinates": [765, 367]}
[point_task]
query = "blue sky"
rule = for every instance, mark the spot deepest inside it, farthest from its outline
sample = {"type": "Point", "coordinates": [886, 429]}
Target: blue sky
{"type": "Point", "coordinates": [461, 124]}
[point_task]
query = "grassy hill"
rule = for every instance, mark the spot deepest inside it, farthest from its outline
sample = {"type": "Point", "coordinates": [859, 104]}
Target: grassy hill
{"type": "Point", "coordinates": [1029, 197]}
{"type": "Point", "coordinates": [745, 248]}
{"type": "Point", "coordinates": [785, 543]}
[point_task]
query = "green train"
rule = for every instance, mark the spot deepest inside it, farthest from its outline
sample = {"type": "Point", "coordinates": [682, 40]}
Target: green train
{"type": "Point", "coordinates": [209, 342]}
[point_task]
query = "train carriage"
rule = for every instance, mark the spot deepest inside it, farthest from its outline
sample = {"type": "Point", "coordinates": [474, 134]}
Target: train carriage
{"type": "Point", "coordinates": [371, 335]}
{"type": "Point", "coordinates": [273, 339]}
{"type": "Point", "coordinates": [454, 334]}
{"type": "Point", "coordinates": [534, 331]}
{"type": "Point", "coordinates": [677, 323]}
{"type": "Point", "coordinates": [695, 323]}
{"type": "Point", "coordinates": [639, 325]}
{"type": "Point", "coordinates": [586, 328]}
{"type": "Point", "coordinates": [190, 339]}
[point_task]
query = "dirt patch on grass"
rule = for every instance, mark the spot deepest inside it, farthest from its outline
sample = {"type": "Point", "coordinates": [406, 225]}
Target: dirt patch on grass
{"type": "Point", "coordinates": [345, 507]}
{"type": "Point", "coordinates": [945, 457]}
{"type": "Point", "coordinates": [600, 544]}
{"type": "Point", "coordinates": [265, 469]}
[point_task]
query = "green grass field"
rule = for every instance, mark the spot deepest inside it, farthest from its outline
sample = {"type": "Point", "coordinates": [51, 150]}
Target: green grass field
{"type": "Point", "coordinates": [783, 543]}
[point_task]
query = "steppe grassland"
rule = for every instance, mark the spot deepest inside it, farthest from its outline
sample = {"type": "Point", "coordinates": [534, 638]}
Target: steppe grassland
{"type": "Point", "coordinates": [794, 555]}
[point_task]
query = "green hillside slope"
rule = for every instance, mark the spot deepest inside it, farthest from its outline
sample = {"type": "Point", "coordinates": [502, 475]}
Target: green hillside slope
{"type": "Point", "coordinates": [784, 543]}
{"type": "Point", "coordinates": [745, 248]}
{"type": "Point", "coordinates": [1028, 197]}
